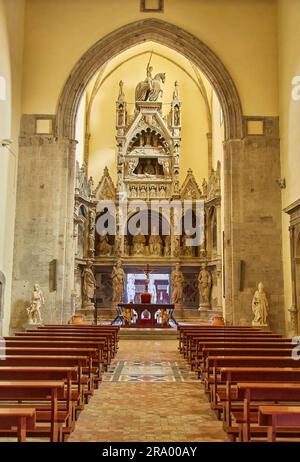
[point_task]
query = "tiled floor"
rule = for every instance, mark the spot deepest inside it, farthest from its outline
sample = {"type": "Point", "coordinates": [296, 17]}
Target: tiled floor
{"type": "Point", "coordinates": [132, 405]}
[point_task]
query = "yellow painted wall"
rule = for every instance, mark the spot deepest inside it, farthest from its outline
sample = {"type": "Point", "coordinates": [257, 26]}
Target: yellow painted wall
{"type": "Point", "coordinates": [11, 43]}
{"type": "Point", "coordinates": [194, 118]}
{"type": "Point", "coordinates": [241, 32]}
{"type": "Point", "coordinates": [289, 66]}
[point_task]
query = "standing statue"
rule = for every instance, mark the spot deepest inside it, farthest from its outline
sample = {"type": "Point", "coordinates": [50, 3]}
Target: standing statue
{"type": "Point", "coordinates": [204, 286]}
{"type": "Point", "coordinates": [92, 233]}
{"type": "Point", "coordinates": [139, 242]}
{"type": "Point", "coordinates": [260, 307]}
{"type": "Point", "coordinates": [155, 245]}
{"type": "Point", "coordinates": [167, 247]}
{"type": "Point", "coordinates": [176, 91]}
{"type": "Point", "coordinates": [104, 247]}
{"type": "Point", "coordinates": [34, 310]}
{"type": "Point", "coordinates": [88, 284]}
{"type": "Point", "coordinates": [118, 277]}
{"type": "Point", "coordinates": [177, 284]}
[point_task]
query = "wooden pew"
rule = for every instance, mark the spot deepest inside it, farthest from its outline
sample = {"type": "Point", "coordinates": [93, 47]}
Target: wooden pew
{"type": "Point", "coordinates": [191, 339]}
{"type": "Point", "coordinates": [31, 391]}
{"type": "Point", "coordinates": [260, 391]}
{"type": "Point", "coordinates": [22, 419]}
{"type": "Point", "coordinates": [236, 344]}
{"type": "Point", "coordinates": [68, 374]}
{"type": "Point", "coordinates": [113, 331]}
{"type": "Point", "coordinates": [185, 333]}
{"type": "Point", "coordinates": [232, 375]}
{"type": "Point", "coordinates": [285, 417]}
{"type": "Point", "coordinates": [91, 353]}
{"type": "Point", "coordinates": [197, 342]}
{"type": "Point", "coordinates": [105, 342]}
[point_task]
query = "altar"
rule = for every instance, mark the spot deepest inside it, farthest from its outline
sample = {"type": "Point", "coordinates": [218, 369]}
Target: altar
{"type": "Point", "coordinates": [153, 315]}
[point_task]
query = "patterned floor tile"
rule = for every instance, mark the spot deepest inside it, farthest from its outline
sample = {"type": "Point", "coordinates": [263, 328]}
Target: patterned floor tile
{"type": "Point", "coordinates": [137, 403]}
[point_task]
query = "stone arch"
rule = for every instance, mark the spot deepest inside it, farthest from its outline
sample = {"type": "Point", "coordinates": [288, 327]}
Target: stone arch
{"type": "Point", "coordinates": [136, 33]}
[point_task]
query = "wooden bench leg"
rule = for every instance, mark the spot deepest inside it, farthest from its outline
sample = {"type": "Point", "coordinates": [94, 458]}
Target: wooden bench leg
{"type": "Point", "coordinates": [21, 429]}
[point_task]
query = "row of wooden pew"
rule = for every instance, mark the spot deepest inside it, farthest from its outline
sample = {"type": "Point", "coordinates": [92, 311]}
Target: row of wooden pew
{"type": "Point", "coordinates": [251, 377]}
{"type": "Point", "coordinates": [47, 376]}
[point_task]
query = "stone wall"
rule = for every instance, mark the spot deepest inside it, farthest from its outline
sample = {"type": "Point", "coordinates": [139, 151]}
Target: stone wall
{"type": "Point", "coordinates": [253, 224]}
{"type": "Point", "coordinates": [44, 222]}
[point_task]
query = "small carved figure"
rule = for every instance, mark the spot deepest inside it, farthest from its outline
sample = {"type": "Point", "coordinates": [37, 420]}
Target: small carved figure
{"type": "Point", "coordinates": [121, 96]}
{"type": "Point", "coordinates": [127, 316]}
{"type": "Point", "coordinates": [139, 242]}
{"type": "Point", "coordinates": [155, 245]}
{"type": "Point", "coordinates": [104, 247]}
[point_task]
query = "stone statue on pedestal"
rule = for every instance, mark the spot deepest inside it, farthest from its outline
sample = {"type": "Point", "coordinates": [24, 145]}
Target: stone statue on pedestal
{"type": "Point", "coordinates": [118, 277]}
{"type": "Point", "coordinates": [260, 307]}
{"type": "Point", "coordinates": [88, 285]}
{"type": "Point", "coordinates": [204, 286]}
{"type": "Point", "coordinates": [177, 284]}
{"type": "Point", "coordinates": [34, 310]}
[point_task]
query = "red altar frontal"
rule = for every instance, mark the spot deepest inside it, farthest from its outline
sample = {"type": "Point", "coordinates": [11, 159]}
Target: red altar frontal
{"type": "Point", "coordinates": [152, 315]}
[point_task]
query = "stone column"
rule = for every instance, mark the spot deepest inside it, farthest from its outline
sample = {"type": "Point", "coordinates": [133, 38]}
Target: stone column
{"type": "Point", "coordinates": [252, 211]}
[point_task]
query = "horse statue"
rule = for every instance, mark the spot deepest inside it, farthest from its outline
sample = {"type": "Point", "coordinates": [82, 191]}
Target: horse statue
{"type": "Point", "coordinates": [144, 92]}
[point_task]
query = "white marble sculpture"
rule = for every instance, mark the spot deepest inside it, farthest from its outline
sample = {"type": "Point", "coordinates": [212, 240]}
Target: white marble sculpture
{"type": "Point", "coordinates": [204, 286]}
{"type": "Point", "coordinates": [260, 307]}
{"type": "Point", "coordinates": [177, 284]}
{"type": "Point", "coordinates": [34, 310]}
{"type": "Point", "coordinates": [118, 277]}
{"type": "Point", "coordinates": [88, 285]}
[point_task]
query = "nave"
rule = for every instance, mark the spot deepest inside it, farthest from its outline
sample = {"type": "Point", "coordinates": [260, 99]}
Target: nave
{"type": "Point", "coordinates": [155, 402]}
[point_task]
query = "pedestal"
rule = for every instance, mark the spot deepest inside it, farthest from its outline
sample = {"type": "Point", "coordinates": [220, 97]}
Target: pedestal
{"type": "Point", "coordinates": [178, 310]}
{"type": "Point", "coordinates": [264, 327]}
{"type": "Point", "coordinates": [30, 325]}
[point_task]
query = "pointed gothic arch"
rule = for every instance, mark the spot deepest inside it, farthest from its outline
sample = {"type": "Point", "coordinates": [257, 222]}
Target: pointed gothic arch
{"type": "Point", "coordinates": [165, 34]}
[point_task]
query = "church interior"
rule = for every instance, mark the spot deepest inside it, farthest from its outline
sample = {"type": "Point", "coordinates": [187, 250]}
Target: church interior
{"type": "Point", "coordinates": [149, 220]}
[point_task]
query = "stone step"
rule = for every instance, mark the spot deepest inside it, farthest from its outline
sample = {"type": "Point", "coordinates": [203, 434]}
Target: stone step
{"type": "Point", "coordinates": [148, 334]}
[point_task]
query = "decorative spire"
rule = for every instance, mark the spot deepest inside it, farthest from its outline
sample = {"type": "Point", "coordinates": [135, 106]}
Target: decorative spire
{"type": "Point", "coordinates": [176, 91]}
{"type": "Point", "coordinates": [121, 96]}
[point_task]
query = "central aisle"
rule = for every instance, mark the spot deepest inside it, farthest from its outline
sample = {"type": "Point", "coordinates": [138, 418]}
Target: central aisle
{"type": "Point", "coordinates": [148, 395]}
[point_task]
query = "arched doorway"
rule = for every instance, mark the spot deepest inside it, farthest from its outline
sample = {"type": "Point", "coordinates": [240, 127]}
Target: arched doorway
{"type": "Point", "coordinates": [181, 41]}
{"type": "Point", "coordinates": [240, 208]}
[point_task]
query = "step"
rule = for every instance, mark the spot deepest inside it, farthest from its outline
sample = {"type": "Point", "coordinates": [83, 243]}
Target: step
{"type": "Point", "coordinates": [133, 333]}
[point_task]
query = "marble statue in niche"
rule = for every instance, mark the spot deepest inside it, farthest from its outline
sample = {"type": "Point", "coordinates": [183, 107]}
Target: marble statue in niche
{"type": "Point", "coordinates": [104, 247]}
{"type": "Point", "coordinates": [88, 284]}
{"type": "Point", "coordinates": [118, 277]}
{"type": "Point", "coordinates": [260, 306]}
{"type": "Point", "coordinates": [138, 243]}
{"type": "Point", "coordinates": [155, 245]}
{"type": "Point", "coordinates": [187, 250]}
{"type": "Point", "coordinates": [204, 286]}
{"type": "Point", "coordinates": [34, 309]}
{"type": "Point", "coordinates": [167, 246]}
{"type": "Point", "coordinates": [177, 284]}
